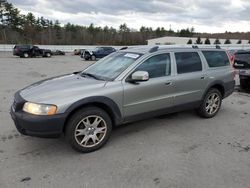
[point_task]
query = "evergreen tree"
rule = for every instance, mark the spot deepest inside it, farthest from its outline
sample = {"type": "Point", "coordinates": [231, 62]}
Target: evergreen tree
{"type": "Point", "coordinates": [198, 41]}
{"type": "Point", "coordinates": [227, 41]}
{"type": "Point", "coordinates": [207, 41]}
{"type": "Point", "coordinates": [190, 41]}
{"type": "Point", "coordinates": [217, 41]}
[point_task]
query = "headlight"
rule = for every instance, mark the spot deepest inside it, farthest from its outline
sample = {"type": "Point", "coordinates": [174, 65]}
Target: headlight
{"type": "Point", "coordinates": [39, 109]}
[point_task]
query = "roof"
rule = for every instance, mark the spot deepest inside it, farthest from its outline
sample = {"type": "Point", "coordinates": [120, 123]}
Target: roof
{"type": "Point", "coordinates": [150, 49]}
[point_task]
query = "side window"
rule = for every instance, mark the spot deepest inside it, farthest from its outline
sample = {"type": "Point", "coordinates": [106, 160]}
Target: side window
{"type": "Point", "coordinates": [216, 58]}
{"type": "Point", "coordinates": [188, 62]}
{"type": "Point", "coordinates": [100, 50]}
{"type": "Point", "coordinates": [156, 66]}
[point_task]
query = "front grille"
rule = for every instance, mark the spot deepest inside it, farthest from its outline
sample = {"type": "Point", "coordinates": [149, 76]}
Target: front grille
{"type": "Point", "coordinates": [14, 105]}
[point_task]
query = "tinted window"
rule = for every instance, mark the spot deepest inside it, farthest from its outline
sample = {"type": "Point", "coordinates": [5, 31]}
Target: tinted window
{"type": "Point", "coordinates": [243, 56]}
{"type": "Point", "coordinates": [188, 62]}
{"type": "Point", "coordinates": [22, 46]}
{"type": "Point", "coordinates": [216, 58]}
{"type": "Point", "coordinates": [100, 50]}
{"type": "Point", "coordinates": [156, 66]}
{"type": "Point", "coordinates": [108, 49]}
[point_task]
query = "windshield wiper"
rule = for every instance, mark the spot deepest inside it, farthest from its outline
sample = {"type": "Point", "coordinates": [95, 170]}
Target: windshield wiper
{"type": "Point", "coordinates": [91, 75]}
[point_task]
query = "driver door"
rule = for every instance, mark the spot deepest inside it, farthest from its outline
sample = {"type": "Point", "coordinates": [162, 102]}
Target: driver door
{"type": "Point", "coordinates": [155, 94]}
{"type": "Point", "coordinates": [36, 51]}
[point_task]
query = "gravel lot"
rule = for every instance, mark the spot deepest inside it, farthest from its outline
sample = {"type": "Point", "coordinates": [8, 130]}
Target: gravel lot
{"type": "Point", "coordinates": [175, 151]}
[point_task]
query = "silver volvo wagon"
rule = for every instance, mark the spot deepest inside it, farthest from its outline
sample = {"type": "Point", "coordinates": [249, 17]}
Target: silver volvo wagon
{"type": "Point", "coordinates": [128, 85]}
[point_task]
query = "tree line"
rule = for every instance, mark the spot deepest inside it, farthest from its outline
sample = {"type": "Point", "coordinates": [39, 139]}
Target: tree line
{"type": "Point", "coordinates": [207, 41]}
{"type": "Point", "coordinates": [16, 28]}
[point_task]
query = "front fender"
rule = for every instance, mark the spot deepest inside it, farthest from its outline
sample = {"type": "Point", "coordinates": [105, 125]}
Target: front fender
{"type": "Point", "coordinates": [105, 102]}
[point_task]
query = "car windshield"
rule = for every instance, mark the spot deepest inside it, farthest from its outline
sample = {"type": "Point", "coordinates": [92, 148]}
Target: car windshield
{"type": "Point", "coordinates": [111, 66]}
{"type": "Point", "coordinates": [96, 49]}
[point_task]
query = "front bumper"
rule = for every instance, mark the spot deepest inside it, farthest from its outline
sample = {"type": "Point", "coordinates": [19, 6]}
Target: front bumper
{"type": "Point", "coordinates": [35, 125]}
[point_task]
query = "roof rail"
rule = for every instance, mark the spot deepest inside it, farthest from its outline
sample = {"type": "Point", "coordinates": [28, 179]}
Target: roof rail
{"type": "Point", "coordinates": [153, 49]}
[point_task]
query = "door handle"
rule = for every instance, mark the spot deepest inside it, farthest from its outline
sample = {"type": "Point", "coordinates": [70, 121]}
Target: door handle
{"type": "Point", "coordinates": [168, 83]}
{"type": "Point", "coordinates": [203, 77]}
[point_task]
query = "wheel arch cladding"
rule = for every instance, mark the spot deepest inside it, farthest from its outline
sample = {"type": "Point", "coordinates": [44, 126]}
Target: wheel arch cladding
{"type": "Point", "coordinates": [217, 85]}
{"type": "Point", "coordinates": [105, 103]}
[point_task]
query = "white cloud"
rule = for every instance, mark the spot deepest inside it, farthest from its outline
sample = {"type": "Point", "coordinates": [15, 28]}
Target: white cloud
{"type": "Point", "coordinates": [206, 16]}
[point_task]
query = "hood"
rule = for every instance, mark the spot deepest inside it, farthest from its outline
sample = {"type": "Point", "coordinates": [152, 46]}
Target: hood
{"type": "Point", "coordinates": [61, 87]}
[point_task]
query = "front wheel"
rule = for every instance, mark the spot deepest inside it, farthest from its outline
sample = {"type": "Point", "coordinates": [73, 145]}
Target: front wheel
{"type": "Point", "coordinates": [93, 58]}
{"type": "Point", "coordinates": [88, 129]}
{"type": "Point", "coordinates": [48, 55]}
{"type": "Point", "coordinates": [211, 104]}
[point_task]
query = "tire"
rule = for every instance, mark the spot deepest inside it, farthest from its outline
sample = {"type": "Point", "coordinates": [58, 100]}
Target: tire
{"type": "Point", "coordinates": [93, 58]}
{"type": "Point", "coordinates": [243, 84]}
{"type": "Point", "coordinates": [210, 105]}
{"type": "Point", "coordinates": [25, 55]}
{"type": "Point", "coordinates": [84, 137]}
{"type": "Point", "coordinates": [48, 55]}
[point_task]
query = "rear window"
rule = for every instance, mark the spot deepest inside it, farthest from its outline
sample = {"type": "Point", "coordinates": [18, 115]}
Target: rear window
{"type": "Point", "coordinates": [243, 57]}
{"type": "Point", "coordinates": [216, 58]}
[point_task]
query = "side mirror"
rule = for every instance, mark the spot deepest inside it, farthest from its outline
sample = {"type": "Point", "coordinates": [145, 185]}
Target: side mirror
{"type": "Point", "coordinates": [139, 76]}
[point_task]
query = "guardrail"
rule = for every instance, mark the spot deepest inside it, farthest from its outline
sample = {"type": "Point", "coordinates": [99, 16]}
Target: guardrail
{"type": "Point", "coordinates": [65, 48]}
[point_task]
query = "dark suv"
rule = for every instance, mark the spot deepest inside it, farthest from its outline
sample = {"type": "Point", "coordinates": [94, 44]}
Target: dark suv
{"type": "Point", "coordinates": [98, 52]}
{"type": "Point", "coordinates": [30, 51]}
{"type": "Point", "coordinates": [242, 63]}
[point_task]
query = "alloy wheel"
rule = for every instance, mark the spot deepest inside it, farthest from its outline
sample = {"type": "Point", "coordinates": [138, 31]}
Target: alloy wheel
{"type": "Point", "coordinates": [90, 131]}
{"type": "Point", "coordinates": [213, 103]}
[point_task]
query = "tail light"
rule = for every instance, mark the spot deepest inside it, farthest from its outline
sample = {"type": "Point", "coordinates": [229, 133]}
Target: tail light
{"type": "Point", "coordinates": [231, 59]}
{"type": "Point", "coordinates": [234, 73]}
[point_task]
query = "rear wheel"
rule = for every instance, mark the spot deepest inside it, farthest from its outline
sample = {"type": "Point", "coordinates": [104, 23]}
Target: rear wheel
{"type": "Point", "coordinates": [88, 129]}
{"type": "Point", "coordinates": [211, 104]}
{"type": "Point", "coordinates": [48, 54]}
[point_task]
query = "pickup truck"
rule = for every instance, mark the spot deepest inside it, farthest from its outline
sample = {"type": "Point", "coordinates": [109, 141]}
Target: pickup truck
{"type": "Point", "coordinates": [30, 51]}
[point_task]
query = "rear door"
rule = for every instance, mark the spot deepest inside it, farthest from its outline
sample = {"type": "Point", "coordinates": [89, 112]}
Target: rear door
{"type": "Point", "coordinates": [190, 81]}
{"type": "Point", "coordinates": [155, 94]}
{"type": "Point", "coordinates": [107, 51]}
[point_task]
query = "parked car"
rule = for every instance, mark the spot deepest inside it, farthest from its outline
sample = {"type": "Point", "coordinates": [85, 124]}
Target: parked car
{"type": "Point", "coordinates": [82, 53]}
{"type": "Point", "coordinates": [78, 51]}
{"type": "Point", "coordinates": [128, 85]}
{"type": "Point", "coordinates": [242, 64]}
{"type": "Point", "coordinates": [30, 51]}
{"type": "Point", "coordinates": [98, 52]}
{"type": "Point", "coordinates": [58, 52]}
